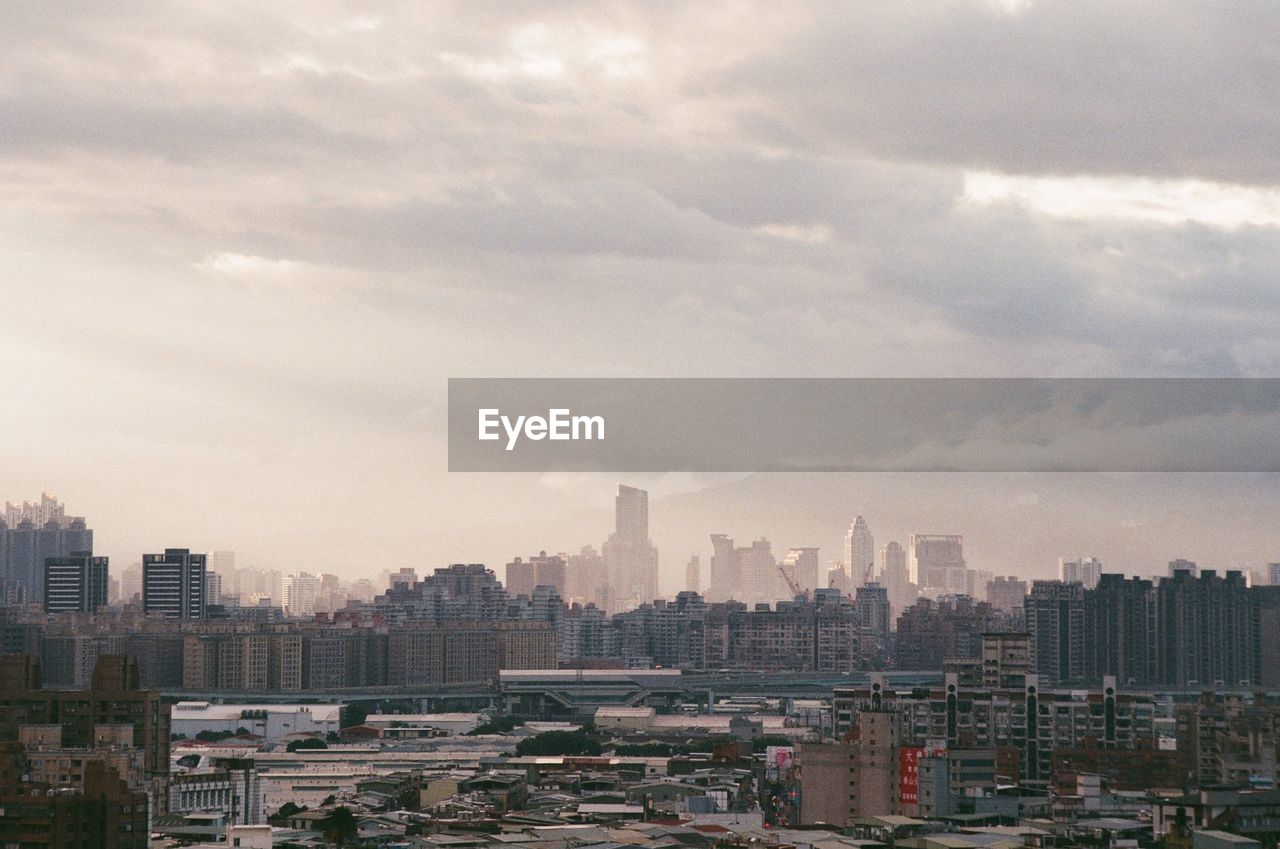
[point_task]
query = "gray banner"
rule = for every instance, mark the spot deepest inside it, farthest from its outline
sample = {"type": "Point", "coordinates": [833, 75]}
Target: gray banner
{"type": "Point", "coordinates": [864, 424]}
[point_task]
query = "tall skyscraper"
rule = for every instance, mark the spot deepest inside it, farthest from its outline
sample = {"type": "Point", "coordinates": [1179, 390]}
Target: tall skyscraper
{"type": "Point", "coordinates": [30, 533]}
{"type": "Point", "coordinates": [1180, 565]}
{"type": "Point", "coordinates": [937, 564]}
{"type": "Point", "coordinates": [724, 569]}
{"type": "Point", "coordinates": [631, 559]}
{"type": "Point", "coordinates": [1080, 570]}
{"type": "Point", "coordinates": [860, 552]}
{"type": "Point", "coordinates": [173, 584]}
{"type": "Point", "coordinates": [76, 583]}
{"type": "Point", "coordinates": [693, 575]}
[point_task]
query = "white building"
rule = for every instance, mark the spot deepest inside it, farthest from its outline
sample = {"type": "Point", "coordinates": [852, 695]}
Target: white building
{"type": "Point", "coordinates": [300, 595]}
{"type": "Point", "coordinates": [269, 721]}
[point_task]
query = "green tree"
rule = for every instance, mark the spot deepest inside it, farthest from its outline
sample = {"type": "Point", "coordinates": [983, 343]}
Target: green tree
{"type": "Point", "coordinates": [341, 826]}
{"type": "Point", "coordinates": [308, 743]}
{"type": "Point", "coordinates": [559, 743]}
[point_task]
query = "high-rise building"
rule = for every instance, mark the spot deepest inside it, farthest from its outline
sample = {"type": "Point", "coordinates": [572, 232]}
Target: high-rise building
{"type": "Point", "coordinates": [300, 596]}
{"type": "Point", "coordinates": [1273, 574]}
{"type": "Point", "coordinates": [212, 588]}
{"type": "Point", "coordinates": [631, 559]}
{"type": "Point", "coordinates": [1181, 565]}
{"type": "Point", "coordinates": [859, 552]}
{"type": "Point", "coordinates": [895, 577]}
{"type": "Point", "coordinates": [30, 533]}
{"type": "Point", "coordinates": [758, 574]}
{"type": "Point", "coordinates": [1080, 570]}
{"type": "Point", "coordinates": [802, 566]}
{"type": "Point", "coordinates": [173, 584]}
{"type": "Point", "coordinates": [542, 570]}
{"type": "Point", "coordinates": [724, 569]}
{"type": "Point", "coordinates": [76, 583]}
{"type": "Point", "coordinates": [1055, 618]}
{"type": "Point", "coordinates": [1006, 593]}
{"type": "Point", "coordinates": [693, 575]}
{"type": "Point", "coordinates": [587, 578]}
{"type": "Point", "coordinates": [937, 564]}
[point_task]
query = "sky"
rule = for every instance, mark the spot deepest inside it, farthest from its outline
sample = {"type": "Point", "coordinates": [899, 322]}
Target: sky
{"type": "Point", "coordinates": [243, 248]}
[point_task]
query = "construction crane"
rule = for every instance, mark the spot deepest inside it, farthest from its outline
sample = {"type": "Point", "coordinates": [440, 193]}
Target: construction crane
{"type": "Point", "coordinates": [792, 583]}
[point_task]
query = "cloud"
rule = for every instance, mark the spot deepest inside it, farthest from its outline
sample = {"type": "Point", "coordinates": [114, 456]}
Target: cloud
{"type": "Point", "coordinates": [308, 215]}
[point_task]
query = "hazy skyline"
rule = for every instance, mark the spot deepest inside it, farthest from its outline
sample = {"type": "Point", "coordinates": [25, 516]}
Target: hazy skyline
{"type": "Point", "coordinates": [245, 248]}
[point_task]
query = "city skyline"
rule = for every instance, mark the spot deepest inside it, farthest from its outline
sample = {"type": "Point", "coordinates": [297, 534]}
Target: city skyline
{"type": "Point", "coordinates": [1130, 548]}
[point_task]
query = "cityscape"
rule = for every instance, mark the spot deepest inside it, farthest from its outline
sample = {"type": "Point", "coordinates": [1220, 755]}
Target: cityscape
{"type": "Point", "coordinates": [730, 424]}
{"type": "Point", "coordinates": [895, 693]}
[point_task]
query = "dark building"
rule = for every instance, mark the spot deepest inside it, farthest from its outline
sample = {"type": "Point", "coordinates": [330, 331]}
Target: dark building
{"type": "Point", "coordinates": [1208, 630]}
{"type": "Point", "coordinates": [930, 632]}
{"type": "Point", "coordinates": [114, 697]}
{"type": "Point", "coordinates": [1120, 630]}
{"type": "Point", "coordinates": [30, 534]}
{"type": "Point", "coordinates": [1054, 613]}
{"type": "Point", "coordinates": [173, 584]}
{"type": "Point", "coordinates": [76, 583]}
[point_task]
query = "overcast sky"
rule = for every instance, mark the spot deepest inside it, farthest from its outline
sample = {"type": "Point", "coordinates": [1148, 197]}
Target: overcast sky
{"type": "Point", "coordinates": [243, 250]}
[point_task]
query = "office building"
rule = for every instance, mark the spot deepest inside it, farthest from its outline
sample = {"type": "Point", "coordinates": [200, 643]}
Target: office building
{"type": "Point", "coordinates": [543, 570]}
{"type": "Point", "coordinates": [76, 583]}
{"type": "Point", "coordinates": [30, 534]}
{"type": "Point", "coordinates": [859, 552]}
{"type": "Point", "coordinates": [173, 584]}
{"type": "Point", "coordinates": [801, 566]}
{"type": "Point", "coordinates": [937, 564]}
{"type": "Point", "coordinates": [1080, 570]}
{"type": "Point", "coordinates": [300, 595]}
{"type": "Point", "coordinates": [630, 558]}
{"type": "Point", "coordinates": [693, 575]}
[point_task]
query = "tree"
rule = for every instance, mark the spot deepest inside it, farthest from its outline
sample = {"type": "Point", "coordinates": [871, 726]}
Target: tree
{"type": "Point", "coordinates": [340, 826]}
{"type": "Point", "coordinates": [286, 810]}
{"type": "Point", "coordinates": [308, 743]}
{"type": "Point", "coordinates": [497, 725]}
{"type": "Point", "coordinates": [559, 743]}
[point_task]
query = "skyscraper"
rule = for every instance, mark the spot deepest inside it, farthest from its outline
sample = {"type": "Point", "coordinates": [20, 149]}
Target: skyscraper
{"type": "Point", "coordinates": [802, 565]}
{"type": "Point", "coordinates": [1080, 570]}
{"type": "Point", "coordinates": [724, 569]}
{"type": "Point", "coordinates": [859, 552]}
{"type": "Point", "coordinates": [30, 533]}
{"type": "Point", "coordinates": [76, 583]}
{"type": "Point", "coordinates": [693, 575]}
{"type": "Point", "coordinates": [629, 556]}
{"type": "Point", "coordinates": [300, 595]}
{"type": "Point", "coordinates": [937, 564]}
{"type": "Point", "coordinates": [173, 584]}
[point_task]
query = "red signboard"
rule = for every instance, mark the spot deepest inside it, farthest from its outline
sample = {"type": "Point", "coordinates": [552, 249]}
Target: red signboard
{"type": "Point", "coordinates": [909, 774]}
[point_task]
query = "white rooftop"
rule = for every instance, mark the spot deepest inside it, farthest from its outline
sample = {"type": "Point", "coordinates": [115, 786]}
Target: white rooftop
{"type": "Point", "coordinates": [210, 710]}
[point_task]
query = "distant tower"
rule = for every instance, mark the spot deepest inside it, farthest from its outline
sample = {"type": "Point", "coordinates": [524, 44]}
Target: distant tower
{"type": "Point", "coordinates": [1080, 570]}
{"type": "Point", "coordinates": [725, 578]}
{"type": "Point", "coordinates": [803, 566]}
{"type": "Point", "coordinates": [693, 575]}
{"type": "Point", "coordinates": [859, 552]}
{"type": "Point", "coordinates": [629, 556]}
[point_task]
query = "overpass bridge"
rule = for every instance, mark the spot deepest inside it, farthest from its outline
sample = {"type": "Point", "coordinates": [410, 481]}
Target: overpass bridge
{"type": "Point", "coordinates": [572, 691]}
